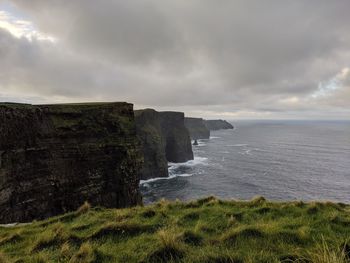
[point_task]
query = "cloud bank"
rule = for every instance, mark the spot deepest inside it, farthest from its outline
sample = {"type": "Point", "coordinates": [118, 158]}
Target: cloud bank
{"type": "Point", "coordinates": [236, 59]}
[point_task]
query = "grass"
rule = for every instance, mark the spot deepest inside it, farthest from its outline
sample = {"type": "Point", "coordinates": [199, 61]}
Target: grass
{"type": "Point", "coordinates": [206, 230]}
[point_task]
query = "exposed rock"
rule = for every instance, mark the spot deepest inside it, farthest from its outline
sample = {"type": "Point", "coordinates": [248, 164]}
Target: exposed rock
{"type": "Point", "coordinates": [214, 125]}
{"type": "Point", "coordinates": [197, 128]}
{"type": "Point", "coordinates": [55, 157]}
{"type": "Point", "coordinates": [153, 142]}
{"type": "Point", "coordinates": [178, 146]}
{"type": "Point", "coordinates": [164, 138]}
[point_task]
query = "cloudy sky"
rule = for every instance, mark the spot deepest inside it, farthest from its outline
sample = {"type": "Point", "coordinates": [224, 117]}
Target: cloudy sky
{"type": "Point", "coordinates": [234, 59]}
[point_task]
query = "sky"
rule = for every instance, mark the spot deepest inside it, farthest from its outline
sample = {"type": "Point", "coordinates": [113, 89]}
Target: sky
{"type": "Point", "coordinates": [232, 59]}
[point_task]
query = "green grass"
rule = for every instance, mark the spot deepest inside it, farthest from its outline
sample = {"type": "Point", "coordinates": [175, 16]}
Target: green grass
{"type": "Point", "coordinates": [205, 230]}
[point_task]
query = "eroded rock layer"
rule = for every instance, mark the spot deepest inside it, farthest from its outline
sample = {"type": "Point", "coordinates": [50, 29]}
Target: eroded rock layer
{"type": "Point", "coordinates": [55, 157]}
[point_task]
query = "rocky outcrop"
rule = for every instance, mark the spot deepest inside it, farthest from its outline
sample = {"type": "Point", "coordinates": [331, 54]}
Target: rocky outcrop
{"type": "Point", "coordinates": [55, 157]}
{"type": "Point", "coordinates": [164, 139]}
{"type": "Point", "coordinates": [149, 132]}
{"type": "Point", "coordinates": [214, 125]}
{"type": "Point", "coordinates": [178, 146]}
{"type": "Point", "coordinates": [197, 128]}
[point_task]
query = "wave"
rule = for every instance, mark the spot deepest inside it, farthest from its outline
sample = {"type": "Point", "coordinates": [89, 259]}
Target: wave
{"type": "Point", "coordinates": [246, 152]}
{"type": "Point", "coordinates": [145, 182]}
{"type": "Point", "coordinates": [173, 167]}
{"type": "Point", "coordinates": [214, 137]}
{"type": "Point", "coordinates": [197, 160]}
{"type": "Point", "coordinates": [237, 145]}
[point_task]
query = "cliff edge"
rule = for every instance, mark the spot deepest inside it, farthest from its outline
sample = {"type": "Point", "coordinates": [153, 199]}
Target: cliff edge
{"type": "Point", "coordinates": [153, 143]}
{"type": "Point", "coordinates": [214, 125]}
{"type": "Point", "coordinates": [55, 157]}
{"type": "Point", "coordinates": [164, 139]}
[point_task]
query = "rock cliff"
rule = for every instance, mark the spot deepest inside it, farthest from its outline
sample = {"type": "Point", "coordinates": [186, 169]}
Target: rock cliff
{"type": "Point", "coordinates": [55, 157]}
{"type": "Point", "coordinates": [214, 125]}
{"type": "Point", "coordinates": [153, 142]}
{"type": "Point", "coordinates": [164, 139]}
{"type": "Point", "coordinates": [178, 146]}
{"type": "Point", "coordinates": [197, 128]}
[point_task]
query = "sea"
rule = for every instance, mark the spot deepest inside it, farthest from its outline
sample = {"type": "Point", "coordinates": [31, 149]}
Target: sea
{"type": "Point", "coordinates": [280, 160]}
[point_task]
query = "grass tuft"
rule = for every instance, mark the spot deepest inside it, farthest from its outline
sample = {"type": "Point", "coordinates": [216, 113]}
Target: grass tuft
{"type": "Point", "coordinates": [289, 236]}
{"type": "Point", "coordinates": [149, 213]}
{"type": "Point", "coordinates": [313, 208]}
{"type": "Point", "coordinates": [45, 240]}
{"type": "Point", "coordinates": [323, 253]}
{"type": "Point", "coordinates": [207, 200]}
{"type": "Point", "coordinates": [66, 250]}
{"type": "Point", "coordinates": [192, 238]}
{"type": "Point", "coordinates": [10, 238]}
{"type": "Point", "coordinates": [257, 200]}
{"type": "Point", "coordinates": [84, 208]}
{"type": "Point", "coordinates": [243, 233]}
{"type": "Point", "coordinates": [121, 229]}
{"type": "Point", "coordinates": [85, 254]}
{"type": "Point", "coordinates": [170, 248]}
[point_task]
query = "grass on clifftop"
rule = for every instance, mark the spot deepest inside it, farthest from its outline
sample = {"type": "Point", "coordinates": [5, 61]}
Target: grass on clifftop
{"type": "Point", "coordinates": [206, 230]}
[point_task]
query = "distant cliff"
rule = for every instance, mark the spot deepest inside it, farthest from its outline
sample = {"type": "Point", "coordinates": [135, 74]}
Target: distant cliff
{"type": "Point", "coordinates": [149, 131]}
{"type": "Point", "coordinates": [197, 128]}
{"type": "Point", "coordinates": [55, 157]}
{"type": "Point", "coordinates": [164, 139]}
{"type": "Point", "coordinates": [214, 125]}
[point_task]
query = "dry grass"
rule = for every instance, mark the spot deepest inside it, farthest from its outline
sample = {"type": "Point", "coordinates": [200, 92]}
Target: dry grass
{"type": "Point", "coordinates": [324, 254]}
{"type": "Point", "coordinates": [84, 208]}
{"type": "Point", "coordinates": [85, 254]}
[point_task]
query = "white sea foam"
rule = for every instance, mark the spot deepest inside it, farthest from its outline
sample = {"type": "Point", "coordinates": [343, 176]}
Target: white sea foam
{"type": "Point", "coordinates": [171, 176]}
{"type": "Point", "coordinates": [200, 143]}
{"type": "Point", "coordinates": [13, 225]}
{"type": "Point", "coordinates": [196, 161]}
{"type": "Point", "coordinates": [237, 145]}
{"type": "Point", "coordinates": [174, 166]}
{"type": "Point", "coordinates": [214, 137]}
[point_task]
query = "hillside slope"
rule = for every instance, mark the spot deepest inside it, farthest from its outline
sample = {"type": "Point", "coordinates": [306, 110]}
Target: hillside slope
{"type": "Point", "coordinates": [206, 230]}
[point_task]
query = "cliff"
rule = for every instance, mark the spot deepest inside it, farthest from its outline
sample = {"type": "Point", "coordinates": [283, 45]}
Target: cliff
{"type": "Point", "coordinates": [164, 139]}
{"type": "Point", "coordinates": [178, 146]}
{"type": "Point", "coordinates": [153, 142]}
{"type": "Point", "coordinates": [55, 157]}
{"type": "Point", "coordinates": [214, 125]}
{"type": "Point", "coordinates": [197, 128]}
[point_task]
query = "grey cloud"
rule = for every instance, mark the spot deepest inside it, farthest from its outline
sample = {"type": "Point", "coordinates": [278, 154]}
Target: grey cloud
{"type": "Point", "coordinates": [214, 56]}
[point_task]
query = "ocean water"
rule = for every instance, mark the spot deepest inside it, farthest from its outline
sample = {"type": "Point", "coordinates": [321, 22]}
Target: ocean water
{"type": "Point", "coordinates": [280, 160]}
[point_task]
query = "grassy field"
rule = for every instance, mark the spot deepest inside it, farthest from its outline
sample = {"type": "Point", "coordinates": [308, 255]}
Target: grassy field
{"type": "Point", "coordinates": [205, 230]}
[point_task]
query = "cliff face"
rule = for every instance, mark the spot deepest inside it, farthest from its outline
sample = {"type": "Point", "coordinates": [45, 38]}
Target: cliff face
{"type": "Point", "coordinates": [153, 142]}
{"type": "Point", "coordinates": [164, 139]}
{"type": "Point", "coordinates": [214, 125]}
{"type": "Point", "coordinates": [55, 157]}
{"type": "Point", "coordinates": [197, 128]}
{"type": "Point", "coordinates": [178, 147]}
